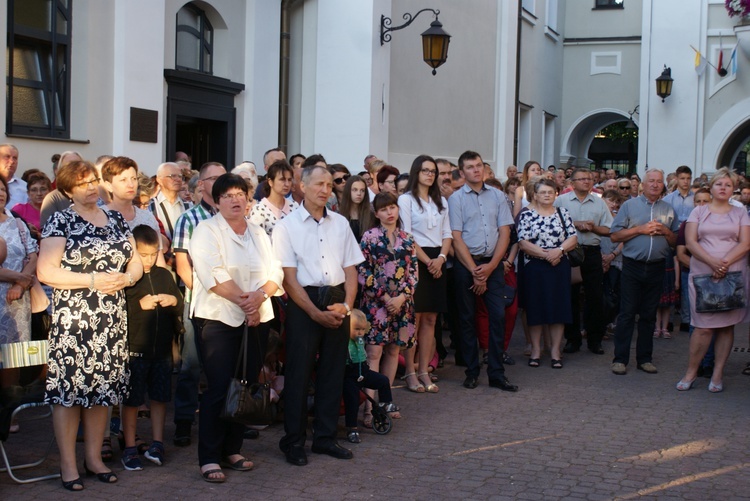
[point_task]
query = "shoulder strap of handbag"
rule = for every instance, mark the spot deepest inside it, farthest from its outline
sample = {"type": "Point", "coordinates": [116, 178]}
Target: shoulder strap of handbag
{"type": "Point", "coordinates": [24, 241]}
{"type": "Point", "coordinates": [562, 222]}
{"type": "Point", "coordinates": [243, 358]}
{"type": "Point", "coordinates": [166, 216]}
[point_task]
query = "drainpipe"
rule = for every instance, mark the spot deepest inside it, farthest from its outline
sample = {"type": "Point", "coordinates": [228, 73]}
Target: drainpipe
{"type": "Point", "coordinates": [518, 84]}
{"type": "Point", "coordinates": [284, 54]}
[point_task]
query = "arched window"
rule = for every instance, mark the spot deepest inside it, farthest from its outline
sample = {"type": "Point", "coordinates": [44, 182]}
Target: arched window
{"type": "Point", "coordinates": [195, 40]}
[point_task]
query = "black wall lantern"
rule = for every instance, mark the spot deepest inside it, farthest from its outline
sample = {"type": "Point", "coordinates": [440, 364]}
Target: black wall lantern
{"type": "Point", "coordinates": [434, 41]}
{"type": "Point", "coordinates": [664, 84]}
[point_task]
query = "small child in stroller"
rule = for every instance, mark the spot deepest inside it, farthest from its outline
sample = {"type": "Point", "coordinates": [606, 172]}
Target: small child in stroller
{"type": "Point", "coordinates": [358, 375]}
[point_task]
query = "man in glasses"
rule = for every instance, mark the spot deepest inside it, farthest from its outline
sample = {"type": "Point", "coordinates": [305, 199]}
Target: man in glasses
{"type": "Point", "coordinates": [167, 205]}
{"type": "Point", "coordinates": [186, 388]}
{"type": "Point", "coordinates": [592, 220]}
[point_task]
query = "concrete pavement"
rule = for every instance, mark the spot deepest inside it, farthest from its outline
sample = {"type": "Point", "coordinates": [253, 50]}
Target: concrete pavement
{"type": "Point", "coordinates": [576, 433]}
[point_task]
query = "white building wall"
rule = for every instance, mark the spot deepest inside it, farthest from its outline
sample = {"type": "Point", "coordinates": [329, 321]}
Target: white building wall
{"type": "Point", "coordinates": [258, 105]}
{"type": "Point", "coordinates": [92, 77]}
{"type": "Point", "coordinates": [669, 132]}
{"type": "Point", "coordinates": [137, 74]}
{"type": "Point", "coordinates": [337, 77]}
{"type": "Point", "coordinates": [541, 79]}
{"type": "Point", "coordinates": [445, 114]}
{"type": "Point", "coordinates": [505, 86]}
{"type": "Point", "coordinates": [601, 74]}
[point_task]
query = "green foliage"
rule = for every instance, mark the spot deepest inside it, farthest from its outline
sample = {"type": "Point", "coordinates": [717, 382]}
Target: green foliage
{"type": "Point", "coordinates": [618, 133]}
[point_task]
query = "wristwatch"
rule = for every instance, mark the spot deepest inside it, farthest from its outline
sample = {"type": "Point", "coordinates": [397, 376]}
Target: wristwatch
{"type": "Point", "coordinates": [348, 310]}
{"type": "Point", "coordinates": [265, 296]}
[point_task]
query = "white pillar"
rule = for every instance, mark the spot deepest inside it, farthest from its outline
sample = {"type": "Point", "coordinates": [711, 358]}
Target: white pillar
{"type": "Point", "coordinates": [345, 112]}
{"type": "Point", "coordinates": [137, 76]}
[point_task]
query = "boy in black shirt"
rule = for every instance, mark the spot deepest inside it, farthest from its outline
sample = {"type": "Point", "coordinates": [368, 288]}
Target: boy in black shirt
{"type": "Point", "coordinates": [154, 307]}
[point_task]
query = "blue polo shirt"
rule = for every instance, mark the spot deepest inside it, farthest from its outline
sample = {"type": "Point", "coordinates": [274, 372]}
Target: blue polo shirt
{"type": "Point", "coordinates": [636, 212]}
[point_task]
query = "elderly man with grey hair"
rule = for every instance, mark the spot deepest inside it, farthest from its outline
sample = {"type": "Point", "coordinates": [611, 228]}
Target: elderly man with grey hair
{"type": "Point", "coordinates": [167, 205]}
{"type": "Point", "coordinates": [8, 165]}
{"type": "Point", "coordinates": [319, 256]}
{"type": "Point", "coordinates": [647, 225]}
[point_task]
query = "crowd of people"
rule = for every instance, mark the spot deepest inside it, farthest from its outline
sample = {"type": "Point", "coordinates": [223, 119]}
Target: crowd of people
{"type": "Point", "coordinates": [359, 274]}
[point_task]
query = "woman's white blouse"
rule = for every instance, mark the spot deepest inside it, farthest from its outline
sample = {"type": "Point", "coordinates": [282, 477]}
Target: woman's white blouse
{"type": "Point", "coordinates": [426, 223]}
{"type": "Point", "coordinates": [220, 255]}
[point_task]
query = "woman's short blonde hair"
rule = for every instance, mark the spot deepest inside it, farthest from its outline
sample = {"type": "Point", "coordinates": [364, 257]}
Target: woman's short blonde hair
{"type": "Point", "coordinates": [721, 173]}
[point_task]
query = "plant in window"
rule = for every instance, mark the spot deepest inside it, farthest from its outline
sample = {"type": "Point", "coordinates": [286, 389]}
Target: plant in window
{"type": "Point", "coordinates": [738, 8]}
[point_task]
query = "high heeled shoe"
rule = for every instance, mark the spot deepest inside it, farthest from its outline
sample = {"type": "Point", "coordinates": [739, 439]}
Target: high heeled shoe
{"type": "Point", "coordinates": [715, 388]}
{"type": "Point", "coordinates": [428, 387]}
{"type": "Point", "coordinates": [417, 388]}
{"type": "Point", "coordinates": [684, 385]}
{"type": "Point", "coordinates": [107, 477]}
{"type": "Point", "coordinates": [74, 485]}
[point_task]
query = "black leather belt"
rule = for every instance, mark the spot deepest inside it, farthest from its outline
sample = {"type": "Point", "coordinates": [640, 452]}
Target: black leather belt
{"type": "Point", "coordinates": [480, 258]}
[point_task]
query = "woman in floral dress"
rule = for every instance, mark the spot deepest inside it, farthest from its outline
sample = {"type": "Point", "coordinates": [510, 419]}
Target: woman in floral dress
{"type": "Point", "coordinates": [388, 278]}
{"type": "Point", "coordinates": [17, 267]}
{"type": "Point", "coordinates": [15, 275]}
{"type": "Point", "coordinates": [88, 255]}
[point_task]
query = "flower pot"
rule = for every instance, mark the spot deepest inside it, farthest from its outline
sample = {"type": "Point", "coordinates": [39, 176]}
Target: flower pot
{"type": "Point", "coordinates": [742, 32]}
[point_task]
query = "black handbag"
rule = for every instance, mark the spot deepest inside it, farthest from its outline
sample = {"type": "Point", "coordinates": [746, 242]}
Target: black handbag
{"type": "Point", "coordinates": [724, 294]}
{"type": "Point", "coordinates": [248, 403]}
{"type": "Point", "coordinates": [576, 255]}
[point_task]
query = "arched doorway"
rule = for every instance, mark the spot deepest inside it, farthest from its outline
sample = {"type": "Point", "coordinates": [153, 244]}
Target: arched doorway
{"type": "Point", "coordinates": [736, 150]}
{"type": "Point", "coordinates": [602, 139]}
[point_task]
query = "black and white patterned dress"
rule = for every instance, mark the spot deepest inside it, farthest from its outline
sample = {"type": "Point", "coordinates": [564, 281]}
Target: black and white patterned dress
{"type": "Point", "coordinates": [545, 291]}
{"type": "Point", "coordinates": [88, 353]}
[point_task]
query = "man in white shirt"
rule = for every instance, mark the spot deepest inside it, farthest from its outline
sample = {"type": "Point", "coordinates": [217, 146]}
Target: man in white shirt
{"type": "Point", "coordinates": [319, 255]}
{"type": "Point", "coordinates": [16, 187]}
{"type": "Point", "coordinates": [167, 205]}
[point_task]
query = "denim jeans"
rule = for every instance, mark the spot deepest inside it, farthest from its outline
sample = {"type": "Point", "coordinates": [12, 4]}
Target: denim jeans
{"type": "Point", "coordinates": [640, 290]}
{"type": "Point", "coordinates": [466, 302]}
{"type": "Point", "coordinates": [684, 297]}
{"type": "Point", "coordinates": [186, 387]}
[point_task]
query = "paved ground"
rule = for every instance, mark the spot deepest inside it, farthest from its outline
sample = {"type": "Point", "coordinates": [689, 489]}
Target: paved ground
{"type": "Point", "coordinates": [576, 433]}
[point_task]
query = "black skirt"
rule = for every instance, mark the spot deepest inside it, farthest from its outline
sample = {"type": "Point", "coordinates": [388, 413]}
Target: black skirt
{"type": "Point", "coordinates": [546, 291]}
{"type": "Point", "coordinates": [431, 295]}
